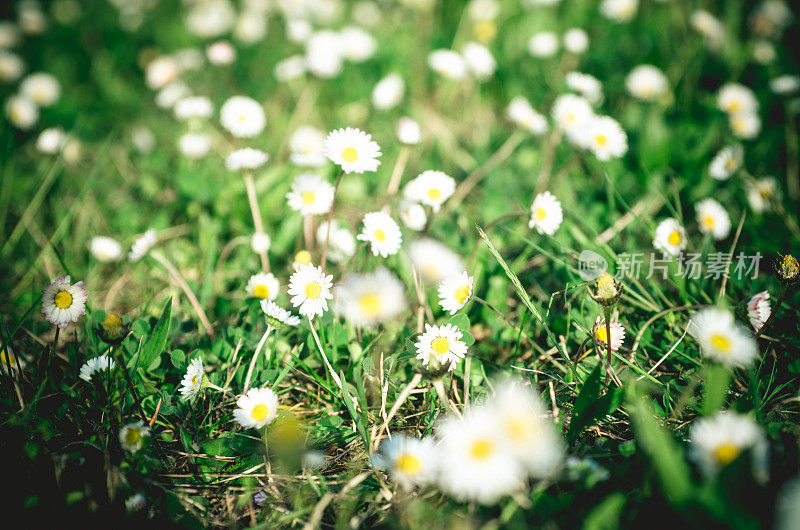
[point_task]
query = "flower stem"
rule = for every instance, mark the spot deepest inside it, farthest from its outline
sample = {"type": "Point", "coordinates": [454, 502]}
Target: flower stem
{"type": "Point", "coordinates": [256, 213]}
{"type": "Point", "coordinates": [439, 387]}
{"type": "Point", "coordinates": [397, 175]}
{"type": "Point", "coordinates": [328, 365]}
{"type": "Point", "coordinates": [255, 356]}
{"type": "Point", "coordinates": [781, 296]}
{"type": "Point", "coordinates": [186, 289]}
{"type": "Point", "coordinates": [328, 228]}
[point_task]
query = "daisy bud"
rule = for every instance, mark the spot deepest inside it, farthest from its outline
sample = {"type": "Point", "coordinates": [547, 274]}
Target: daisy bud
{"type": "Point", "coordinates": [112, 330]}
{"type": "Point", "coordinates": [787, 269]}
{"type": "Point", "coordinates": [606, 290]}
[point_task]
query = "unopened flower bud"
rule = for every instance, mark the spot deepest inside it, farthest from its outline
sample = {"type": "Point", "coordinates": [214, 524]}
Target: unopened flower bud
{"type": "Point", "coordinates": [606, 290]}
{"type": "Point", "coordinates": [787, 269]}
{"type": "Point", "coordinates": [112, 330]}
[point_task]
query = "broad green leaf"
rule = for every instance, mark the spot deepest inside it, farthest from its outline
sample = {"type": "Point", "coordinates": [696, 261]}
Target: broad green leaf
{"type": "Point", "coordinates": [157, 340]}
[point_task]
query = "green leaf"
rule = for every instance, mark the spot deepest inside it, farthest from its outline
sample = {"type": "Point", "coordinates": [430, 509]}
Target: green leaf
{"type": "Point", "coordinates": [663, 450]}
{"type": "Point", "coordinates": [590, 406]}
{"type": "Point", "coordinates": [178, 359]}
{"type": "Point", "coordinates": [605, 516]}
{"type": "Point", "coordinates": [157, 340]}
{"type": "Point", "coordinates": [461, 321]}
{"type": "Point", "coordinates": [718, 379]}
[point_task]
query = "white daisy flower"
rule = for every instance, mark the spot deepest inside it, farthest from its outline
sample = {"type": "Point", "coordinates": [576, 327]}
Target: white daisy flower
{"type": "Point", "coordinates": [307, 145]}
{"type": "Point", "coordinates": [761, 193]}
{"type": "Point", "coordinates": [210, 19]}
{"type": "Point", "coordinates": [745, 125]}
{"type": "Point", "coordinates": [522, 113]}
{"type": "Point", "coordinates": [388, 92]}
{"type": "Point", "coordinates": [382, 233]}
{"type": "Point", "coordinates": [433, 260]}
{"type": "Point", "coordinates": [310, 289]}
{"type": "Point", "coordinates": [709, 27]}
{"type": "Point", "coordinates": [21, 112]}
{"type": "Point", "coordinates": [105, 249]}
{"type": "Point", "coordinates": [718, 440]}
{"type": "Point", "coordinates": [193, 107]}
{"type": "Point", "coordinates": [759, 309]}
{"type": "Point", "coordinates": [572, 115]}
{"type": "Point", "coordinates": [722, 339]}
{"type": "Point", "coordinates": [483, 9]}
{"type": "Point", "coordinates": [250, 28]}
{"type": "Point", "coordinates": [94, 365]}
{"type": "Point", "coordinates": [455, 291]}
{"type": "Point", "coordinates": [448, 64]}
{"type": "Point", "coordinates": [132, 436]}
{"type": "Point", "coordinates": [9, 34]}
{"type": "Point", "coordinates": [431, 188]}
{"type": "Point", "coordinates": [167, 97]}
{"type": "Point", "coordinates": [358, 44]}
{"type": "Point", "coordinates": [526, 428]}
{"type": "Point", "coordinates": [600, 333]}
{"type": "Point", "coordinates": [410, 461]}
{"type": "Point", "coordinates": [646, 82]}
{"type": "Point", "coordinates": [51, 141]}
{"type": "Point", "coordinates": [764, 52]}
{"type": "Point", "coordinates": [353, 150]}
{"type": "Point", "coordinates": [576, 40]}
{"type": "Point", "coordinates": [713, 219]}
{"type": "Point", "coordinates": [63, 302]}
{"type": "Point", "coordinates": [605, 138]}
{"type": "Point", "coordinates": [726, 162]}
{"type": "Point", "coordinates": [474, 461]}
{"type": "Point", "coordinates": [193, 379]}
{"type": "Point", "coordinates": [41, 88]}
{"type": "Point", "coordinates": [546, 214]}
{"type": "Point", "coordinates": [161, 71]}
{"type": "Point", "coordinates": [670, 237]}
{"type": "Point", "coordinates": [11, 67]}
{"type": "Point", "coordinates": [143, 139]}
{"type": "Point", "coordinates": [142, 245]}
{"type": "Point", "coordinates": [543, 44]}
{"type": "Point", "coordinates": [194, 145]}
{"type": "Point", "coordinates": [325, 54]}
{"type": "Point", "coordinates": [342, 243]}
{"type": "Point", "coordinates": [260, 242]}
{"type": "Point", "coordinates": [243, 117]}
{"type": "Point", "coordinates": [135, 502]}
{"type": "Point", "coordinates": [369, 299]}
{"type": "Point", "coordinates": [263, 285]}
{"type": "Point", "coordinates": [413, 215]}
{"type": "Point", "coordinates": [408, 131]}
{"type": "Point", "coordinates": [298, 29]}
{"type": "Point", "coordinates": [619, 10]}
{"type": "Point", "coordinates": [441, 346]}
{"type": "Point", "coordinates": [247, 158]}
{"type": "Point", "coordinates": [290, 68]}
{"type": "Point", "coordinates": [784, 85]}
{"type": "Point", "coordinates": [310, 195]}
{"type": "Point", "coordinates": [585, 85]}
{"type": "Point", "coordinates": [734, 98]}
{"type": "Point", "coordinates": [278, 316]}
{"type": "Point", "coordinates": [221, 53]}
{"type": "Point", "coordinates": [256, 409]}
{"type": "Point", "coordinates": [479, 60]}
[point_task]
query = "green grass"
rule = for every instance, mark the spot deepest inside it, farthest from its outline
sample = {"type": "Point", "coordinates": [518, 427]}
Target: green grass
{"type": "Point", "coordinates": [531, 315]}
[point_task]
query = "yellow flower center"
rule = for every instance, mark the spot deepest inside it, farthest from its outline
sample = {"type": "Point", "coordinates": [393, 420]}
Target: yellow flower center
{"type": "Point", "coordinates": [434, 194]}
{"type": "Point", "coordinates": [674, 238]}
{"type": "Point", "coordinates": [408, 464]}
{"type": "Point", "coordinates": [63, 299]}
{"type": "Point", "coordinates": [540, 214]}
{"type": "Point", "coordinates": [261, 291]}
{"type": "Point", "coordinates": [481, 449]}
{"type": "Point", "coordinates": [313, 290]}
{"type": "Point", "coordinates": [430, 271]}
{"type": "Point", "coordinates": [380, 235]}
{"type": "Point", "coordinates": [349, 154]}
{"type": "Point", "coordinates": [461, 294]}
{"type": "Point", "coordinates": [721, 343]}
{"type": "Point", "coordinates": [370, 304]}
{"type": "Point", "coordinates": [600, 333]}
{"type": "Point", "coordinates": [112, 320]}
{"type": "Point", "coordinates": [606, 287]}
{"type": "Point", "coordinates": [734, 106]}
{"type": "Point", "coordinates": [708, 221]}
{"type": "Point", "coordinates": [194, 380]}
{"type": "Point", "coordinates": [440, 345]}
{"type": "Point", "coordinates": [730, 164]}
{"type": "Point", "coordinates": [725, 454]}
{"type": "Point", "coordinates": [518, 428]}
{"type": "Point", "coordinates": [6, 358]}
{"type": "Point", "coordinates": [308, 197]}
{"type": "Point", "coordinates": [132, 436]}
{"type": "Point", "coordinates": [259, 412]}
{"type": "Point", "coordinates": [303, 257]}
{"type": "Point", "coordinates": [485, 30]}
{"type": "Point", "coordinates": [600, 140]}
{"type": "Point", "coordinates": [766, 193]}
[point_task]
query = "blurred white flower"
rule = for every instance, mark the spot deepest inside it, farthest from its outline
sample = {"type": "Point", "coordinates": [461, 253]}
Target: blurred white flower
{"type": "Point", "coordinates": [408, 131]}
{"type": "Point", "coordinates": [310, 195]}
{"type": "Point", "coordinates": [307, 145]}
{"type": "Point", "coordinates": [722, 339]}
{"type": "Point", "coordinates": [193, 107]}
{"type": "Point", "coordinates": [448, 64]}
{"type": "Point", "coordinates": [382, 233]}
{"type": "Point", "coordinates": [264, 286]}
{"type": "Point", "coordinates": [546, 214]}
{"type": "Point", "coordinates": [670, 237]}
{"type": "Point", "coordinates": [759, 309]}
{"type": "Point", "coordinates": [521, 113]}
{"type": "Point", "coordinates": [431, 188]}
{"type": "Point", "coordinates": [260, 242]}
{"type": "Point", "coordinates": [143, 245]}
{"type": "Point", "coordinates": [726, 162]}
{"type": "Point", "coordinates": [369, 299]}
{"type": "Point", "coordinates": [576, 40]}
{"type": "Point", "coordinates": [543, 44]}
{"type": "Point", "coordinates": [161, 71]}
{"type": "Point", "coordinates": [619, 10]}
{"type": "Point", "coordinates": [210, 19]}
{"type": "Point", "coordinates": [585, 85]}
{"type": "Point", "coordinates": [290, 68]}
{"type": "Point", "coordinates": [51, 141]}
{"type": "Point", "coordinates": [221, 53]}
{"type": "Point", "coordinates": [646, 82]}
{"type": "Point", "coordinates": [21, 112]}
{"type": "Point", "coordinates": [250, 27]}
{"type": "Point", "coordinates": [433, 260]}
{"type": "Point", "coordinates": [358, 44]}
{"type": "Point", "coordinates": [246, 159]}
{"type": "Point", "coordinates": [718, 440]}
{"type": "Point", "coordinates": [342, 242]}
{"type": "Point", "coordinates": [388, 92]}
{"type": "Point", "coordinates": [412, 214]}
{"type": "Point", "coordinates": [243, 117]}
{"type": "Point", "coordinates": [479, 60]}
{"type": "Point", "coordinates": [194, 145]}
{"type": "Point", "coordinates": [713, 219]}
{"type": "Point", "coordinates": [105, 249]}
{"type": "Point", "coordinates": [11, 67]}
